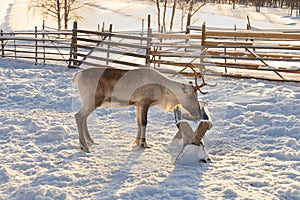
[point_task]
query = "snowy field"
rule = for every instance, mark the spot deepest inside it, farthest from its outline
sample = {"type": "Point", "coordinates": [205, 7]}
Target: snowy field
{"type": "Point", "coordinates": [254, 141]}
{"type": "Point", "coordinates": [125, 14]}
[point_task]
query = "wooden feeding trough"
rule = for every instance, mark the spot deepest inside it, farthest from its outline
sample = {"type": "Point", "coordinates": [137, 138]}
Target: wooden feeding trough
{"type": "Point", "coordinates": [186, 132]}
{"type": "Point", "coordinates": [191, 133]}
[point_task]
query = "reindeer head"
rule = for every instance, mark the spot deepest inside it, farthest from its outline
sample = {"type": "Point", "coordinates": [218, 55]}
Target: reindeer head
{"type": "Point", "coordinates": [189, 102]}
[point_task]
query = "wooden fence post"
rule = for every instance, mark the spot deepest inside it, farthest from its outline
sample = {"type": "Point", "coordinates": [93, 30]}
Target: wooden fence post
{"type": "Point", "coordinates": [99, 31]}
{"type": "Point", "coordinates": [248, 23]}
{"type": "Point", "coordinates": [149, 21]}
{"type": "Point", "coordinates": [73, 48]}
{"type": "Point", "coordinates": [142, 32]}
{"type": "Point", "coordinates": [44, 50]}
{"type": "Point", "coordinates": [108, 46]}
{"type": "Point", "coordinates": [2, 44]}
{"type": "Point", "coordinates": [159, 48]}
{"type": "Point", "coordinates": [15, 47]}
{"type": "Point", "coordinates": [36, 44]}
{"type": "Point", "coordinates": [102, 33]}
{"type": "Point", "coordinates": [149, 35]}
{"type": "Point", "coordinates": [188, 23]}
{"type": "Point", "coordinates": [203, 38]}
{"type": "Point", "coordinates": [225, 60]}
{"type": "Point", "coordinates": [103, 28]}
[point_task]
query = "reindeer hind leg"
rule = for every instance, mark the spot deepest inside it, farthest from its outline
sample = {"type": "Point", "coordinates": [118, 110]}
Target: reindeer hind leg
{"type": "Point", "coordinates": [141, 113]}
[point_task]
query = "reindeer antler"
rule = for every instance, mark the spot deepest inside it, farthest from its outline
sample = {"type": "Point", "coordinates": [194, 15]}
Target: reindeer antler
{"type": "Point", "coordinates": [198, 87]}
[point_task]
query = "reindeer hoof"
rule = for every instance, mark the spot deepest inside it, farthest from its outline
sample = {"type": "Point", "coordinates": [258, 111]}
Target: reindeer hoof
{"type": "Point", "coordinates": [207, 160]}
{"type": "Point", "coordinates": [141, 143]}
{"type": "Point", "coordinates": [144, 146]}
{"type": "Point", "coordinates": [85, 149]}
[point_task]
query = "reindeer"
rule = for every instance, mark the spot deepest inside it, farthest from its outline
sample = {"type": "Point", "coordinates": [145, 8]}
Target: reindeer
{"type": "Point", "coordinates": [142, 88]}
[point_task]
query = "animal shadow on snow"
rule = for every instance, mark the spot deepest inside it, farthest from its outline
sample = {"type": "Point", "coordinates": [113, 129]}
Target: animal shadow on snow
{"type": "Point", "coordinates": [138, 176]}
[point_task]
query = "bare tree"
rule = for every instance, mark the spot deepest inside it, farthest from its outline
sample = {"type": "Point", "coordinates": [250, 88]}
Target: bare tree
{"type": "Point", "coordinates": [183, 7]}
{"type": "Point", "coordinates": [164, 15]}
{"type": "Point", "coordinates": [173, 14]}
{"type": "Point", "coordinates": [59, 10]}
{"type": "Point", "coordinates": [189, 8]}
{"type": "Point", "coordinates": [158, 12]}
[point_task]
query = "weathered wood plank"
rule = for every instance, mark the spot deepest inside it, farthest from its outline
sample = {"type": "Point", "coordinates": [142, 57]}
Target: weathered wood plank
{"type": "Point", "coordinates": [117, 35]}
{"type": "Point", "coordinates": [111, 60]}
{"type": "Point", "coordinates": [253, 34]}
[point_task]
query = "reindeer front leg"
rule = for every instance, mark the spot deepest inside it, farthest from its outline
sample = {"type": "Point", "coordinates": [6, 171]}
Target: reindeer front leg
{"type": "Point", "coordinates": [141, 114]}
{"type": "Point", "coordinates": [85, 139]}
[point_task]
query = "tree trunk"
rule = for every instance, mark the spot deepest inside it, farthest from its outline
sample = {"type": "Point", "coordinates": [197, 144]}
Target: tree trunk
{"type": "Point", "coordinates": [158, 14]}
{"type": "Point", "coordinates": [66, 14]}
{"type": "Point", "coordinates": [173, 14]}
{"type": "Point", "coordinates": [182, 17]}
{"type": "Point", "coordinates": [58, 15]}
{"type": "Point", "coordinates": [164, 15]}
{"type": "Point", "coordinates": [189, 16]}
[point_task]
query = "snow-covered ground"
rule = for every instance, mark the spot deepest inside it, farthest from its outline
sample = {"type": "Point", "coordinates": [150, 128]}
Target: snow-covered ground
{"type": "Point", "coordinates": [254, 141]}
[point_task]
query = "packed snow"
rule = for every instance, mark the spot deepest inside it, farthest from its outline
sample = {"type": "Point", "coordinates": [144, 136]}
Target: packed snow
{"type": "Point", "coordinates": [253, 143]}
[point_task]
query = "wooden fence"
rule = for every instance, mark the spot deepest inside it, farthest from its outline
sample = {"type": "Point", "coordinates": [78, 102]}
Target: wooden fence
{"type": "Point", "coordinates": [270, 55]}
{"type": "Point", "coordinates": [104, 48]}
{"type": "Point", "coordinates": [38, 45]}
{"type": "Point", "coordinates": [265, 54]}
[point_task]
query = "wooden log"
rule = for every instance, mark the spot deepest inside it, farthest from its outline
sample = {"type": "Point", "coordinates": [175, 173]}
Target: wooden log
{"type": "Point", "coordinates": [218, 43]}
{"type": "Point", "coordinates": [110, 43]}
{"type": "Point", "coordinates": [115, 35]}
{"type": "Point", "coordinates": [38, 32]}
{"type": "Point", "coordinates": [249, 58]}
{"type": "Point", "coordinates": [26, 51]}
{"type": "Point", "coordinates": [2, 44]}
{"type": "Point", "coordinates": [109, 60]}
{"type": "Point", "coordinates": [33, 58]}
{"type": "Point", "coordinates": [262, 55]}
{"type": "Point", "coordinates": [252, 67]}
{"type": "Point", "coordinates": [100, 49]}
{"type": "Point", "coordinates": [235, 46]}
{"type": "Point", "coordinates": [33, 45]}
{"type": "Point", "coordinates": [175, 45]}
{"type": "Point", "coordinates": [203, 127]}
{"type": "Point", "coordinates": [253, 34]}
